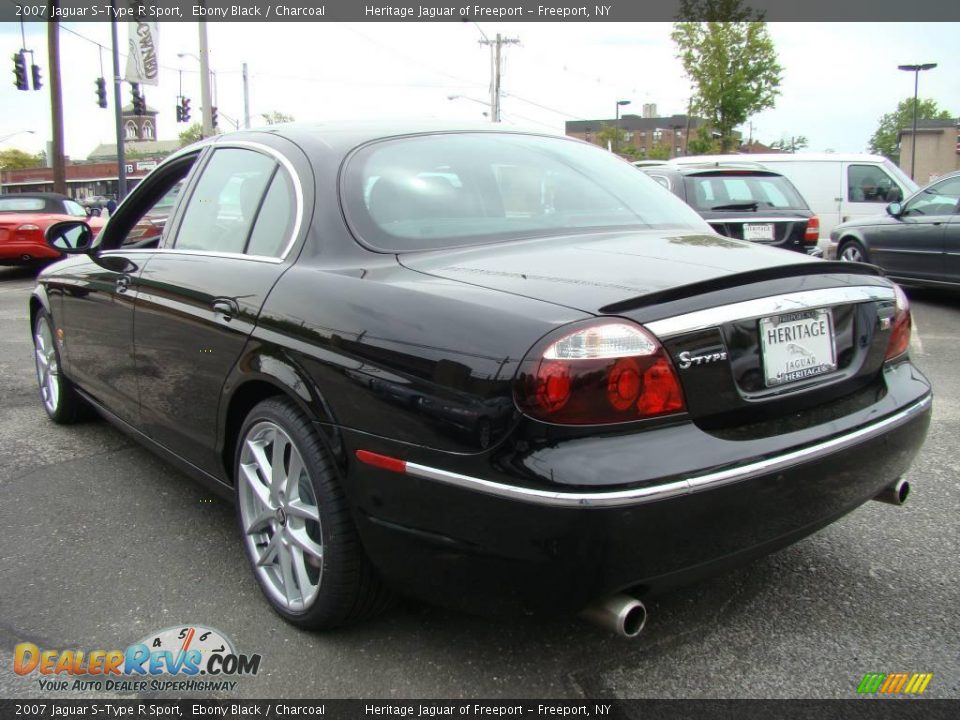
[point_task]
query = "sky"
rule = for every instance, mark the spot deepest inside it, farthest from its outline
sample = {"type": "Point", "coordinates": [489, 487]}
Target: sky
{"type": "Point", "coordinates": [838, 78]}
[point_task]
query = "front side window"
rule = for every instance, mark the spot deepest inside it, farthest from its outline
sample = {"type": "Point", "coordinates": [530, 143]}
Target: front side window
{"type": "Point", "coordinates": [450, 190]}
{"type": "Point", "coordinates": [871, 183]}
{"type": "Point", "coordinates": [941, 198]}
{"type": "Point", "coordinates": [224, 203]}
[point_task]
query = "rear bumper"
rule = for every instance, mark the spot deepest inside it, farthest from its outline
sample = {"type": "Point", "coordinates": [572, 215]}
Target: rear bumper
{"type": "Point", "coordinates": [12, 251]}
{"type": "Point", "coordinates": [487, 545]}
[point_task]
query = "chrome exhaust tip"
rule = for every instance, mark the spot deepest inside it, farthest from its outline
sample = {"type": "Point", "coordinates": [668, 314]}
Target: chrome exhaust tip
{"type": "Point", "coordinates": [895, 493]}
{"type": "Point", "coordinates": [624, 615]}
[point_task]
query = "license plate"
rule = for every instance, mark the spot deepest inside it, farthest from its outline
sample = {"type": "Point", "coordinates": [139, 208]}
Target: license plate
{"type": "Point", "coordinates": [797, 346]}
{"type": "Point", "coordinates": [758, 231]}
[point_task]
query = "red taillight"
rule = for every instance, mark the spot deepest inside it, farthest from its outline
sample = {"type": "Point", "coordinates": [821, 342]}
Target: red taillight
{"type": "Point", "coordinates": [902, 325]}
{"type": "Point", "coordinates": [812, 233]}
{"type": "Point", "coordinates": [606, 372]}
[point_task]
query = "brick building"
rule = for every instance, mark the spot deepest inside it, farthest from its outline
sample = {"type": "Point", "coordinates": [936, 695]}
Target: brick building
{"type": "Point", "coordinates": [938, 149]}
{"type": "Point", "coordinates": [643, 133]}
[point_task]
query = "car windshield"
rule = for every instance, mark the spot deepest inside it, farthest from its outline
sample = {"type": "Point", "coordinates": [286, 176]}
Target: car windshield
{"type": "Point", "coordinates": [449, 190]}
{"type": "Point", "coordinates": [742, 191]}
{"type": "Point", "coordinates": [74, 208]}
{"type": "Point", "coordinates": [15, 204]}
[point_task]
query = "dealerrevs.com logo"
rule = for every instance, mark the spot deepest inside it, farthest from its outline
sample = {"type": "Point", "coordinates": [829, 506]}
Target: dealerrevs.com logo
{"type": "Point", "coordinates": [187, 658]}
{"type": "Point", "coordinates": [894, 683]}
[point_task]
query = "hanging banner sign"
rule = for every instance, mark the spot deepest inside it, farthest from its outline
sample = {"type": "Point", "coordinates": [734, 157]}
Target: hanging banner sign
{"type": "Point", "coordinates": [143, 65]}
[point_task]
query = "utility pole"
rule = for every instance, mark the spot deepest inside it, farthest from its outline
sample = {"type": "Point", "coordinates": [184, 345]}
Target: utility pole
{"type": "Point", "coordinates": [205, 98]}
{"type": "Point", "coordinates": [246, 98]}
{"type": "Point", "coordinates": [118, 110]}
{"type": "Point", "coordinates": [56, 103]}
{"type": "Point", "coordinates": [496, 64]}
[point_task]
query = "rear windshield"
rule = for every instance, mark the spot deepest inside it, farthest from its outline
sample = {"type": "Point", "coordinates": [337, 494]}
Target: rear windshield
{"type": "Point", "coordinates": [449, 190]}
{"type": "Point", "coordinates": [742, 191]}
{"type": "Point", "coordinates": [10, 204]}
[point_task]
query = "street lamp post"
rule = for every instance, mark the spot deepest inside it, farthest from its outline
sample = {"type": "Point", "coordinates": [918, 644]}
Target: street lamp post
{"type": "Point", "coordinates": [916, 70]}
{"type": "Point", "coordinates": [616, 143]}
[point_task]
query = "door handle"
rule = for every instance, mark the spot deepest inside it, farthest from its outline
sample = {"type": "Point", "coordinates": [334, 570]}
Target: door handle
{"type": "Point", "coordinates": [123, 283]}
{"type": "Point", "coordinates": [226, 307]}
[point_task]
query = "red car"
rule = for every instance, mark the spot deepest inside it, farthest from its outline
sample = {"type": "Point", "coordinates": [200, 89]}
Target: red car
{"type": "Point", "coordinates": [24, 217]}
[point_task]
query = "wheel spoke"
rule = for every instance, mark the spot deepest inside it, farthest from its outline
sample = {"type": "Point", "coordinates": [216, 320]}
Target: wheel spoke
{"type": "Point", "coordinates": [270, 551]}
{"type": "Point", "coordinates": [292, 486]}
{"type": "Point", "coordinates": [297, 509]}
{"type": "Point", "coordinates": [278, 474]}
{"type": "Point", "coordinates": [300, 538]}
{"type": "Point", "coordinates": [42, 358]}
{"type": "Point", "coordinates": [285, 558]}
{"type": "Point", "coordinates": [256, 486]}
{"type": "Point", "coordinates": [260, 522]}
{"type": "Point", "coordinates": [303, 577]}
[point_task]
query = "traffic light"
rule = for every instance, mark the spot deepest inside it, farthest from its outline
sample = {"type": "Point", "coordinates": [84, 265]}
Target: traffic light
{"type": "Point", "coordinates": [139, 101]}
{"type": "Point", "coordinates": [37, 80]}
{"type": "Point", "coordinates": [213, 116]}
{"type": "Point", "coordinates": [185, 109]}
{"type": "Point", "coordinates": [20, 71]}
{"type": "Point", "coordinates": [101, 92]}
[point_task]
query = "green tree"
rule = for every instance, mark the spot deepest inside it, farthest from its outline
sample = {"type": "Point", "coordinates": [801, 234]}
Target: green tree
{"type": "Point", "coordinates": [884, 140]}
{"type": "Point", "coordinates": [276, 117]}
{"type": "Point", "coordinates": [791, 144]}
{"type": "Point", "coordinates": [703, 143]}
{"type": "Point", "coordinates": [191, 134]}
{"type": "Point", "coordinates": [659, 151]}
{"type": "Point", "coordinates": [731, 61]}
{"type": "Point", "coordinates": [13, 159]}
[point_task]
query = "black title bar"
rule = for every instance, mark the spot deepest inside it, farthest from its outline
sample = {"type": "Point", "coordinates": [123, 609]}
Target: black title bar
{"type": "Point", "coordinates": [478, 11]}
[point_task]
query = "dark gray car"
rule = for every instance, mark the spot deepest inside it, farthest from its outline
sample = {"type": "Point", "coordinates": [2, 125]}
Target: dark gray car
{"type": "Point", "coordinates": [916, 242]}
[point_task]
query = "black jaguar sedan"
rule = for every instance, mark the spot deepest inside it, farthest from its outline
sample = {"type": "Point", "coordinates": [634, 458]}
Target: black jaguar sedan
{"type": "Point", "coordinates": [490, 368]}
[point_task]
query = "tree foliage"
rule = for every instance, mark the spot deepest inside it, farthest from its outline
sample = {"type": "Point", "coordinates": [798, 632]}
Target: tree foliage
{"type": "Point", "coordinates": [731, 61]}
{"type": "Point", "coordinates": [13, 159]}
{"type": "Point", "coordinates": [191, 135]}
{"type": "Point", "coordinates": [276, 117]}
{"type": "Point", "coordinates": [884, 140]}
{"type": "Point", "coordinates": [790, 144]}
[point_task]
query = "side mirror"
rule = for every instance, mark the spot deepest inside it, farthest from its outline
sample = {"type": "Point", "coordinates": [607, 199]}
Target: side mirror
{"type": "Point", "coordinates": [72, 237]}
{"type": "Point", "coordinates": [895, 209]}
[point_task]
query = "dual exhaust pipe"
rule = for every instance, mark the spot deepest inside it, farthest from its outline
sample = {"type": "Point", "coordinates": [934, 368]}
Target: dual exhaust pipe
{"type": "Point", "coordinates": [626, 616]}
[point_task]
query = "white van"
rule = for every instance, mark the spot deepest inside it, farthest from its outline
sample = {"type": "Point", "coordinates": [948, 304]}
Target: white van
{"type": "Point", "coordinates": [837, 186]}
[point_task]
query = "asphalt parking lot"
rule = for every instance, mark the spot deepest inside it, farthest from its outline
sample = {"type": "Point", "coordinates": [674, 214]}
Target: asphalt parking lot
{"type": "Point", "coordinates": [105, 543]}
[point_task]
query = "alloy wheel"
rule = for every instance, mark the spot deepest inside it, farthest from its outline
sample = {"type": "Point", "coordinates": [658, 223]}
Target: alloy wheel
{"type": "Point", "coordinates": [48, 370]}
{"type": "Point", "coordinates": [851, 253]}
{"type": "Point", "coordinates": [280, 516]}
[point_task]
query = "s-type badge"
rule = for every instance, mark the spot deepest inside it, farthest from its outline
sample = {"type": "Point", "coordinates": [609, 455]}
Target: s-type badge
{"type": "Point", "coordinates": [688, 359]}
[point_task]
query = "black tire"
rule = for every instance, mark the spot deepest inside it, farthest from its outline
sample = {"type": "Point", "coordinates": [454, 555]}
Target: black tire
{"type": "Point", "coordinates": [852, 251]}
{"type": "Point", "coordinates": [57, 395]}
{"type": "Point", "coordinates": [348, 588]}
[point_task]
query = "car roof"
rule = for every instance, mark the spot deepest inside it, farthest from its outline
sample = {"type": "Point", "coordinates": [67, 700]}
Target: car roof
{"type": "Point", "coordinates": [782, 157]}
{"type": "Point", "coordinates": [715, 168]}
{"type": "Point", "coordinates": [343, 136]}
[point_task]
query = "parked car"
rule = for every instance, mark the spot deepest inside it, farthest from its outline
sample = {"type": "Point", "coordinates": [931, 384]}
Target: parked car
{"type": "Point", "coordinates": [838, 187]}
{"type": "Point", "coordinates": [24, 217]}
{"type": "Point", "coordinates": [917, 242]}
{"type": "Point", "coordinates": [744, 201]}
{"type": "Point", "coordinates": [489, 368]}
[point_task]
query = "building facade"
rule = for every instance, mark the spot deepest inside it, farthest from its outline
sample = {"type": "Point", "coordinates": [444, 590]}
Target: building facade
{"type": "Point", "coordinates": [937, 147]}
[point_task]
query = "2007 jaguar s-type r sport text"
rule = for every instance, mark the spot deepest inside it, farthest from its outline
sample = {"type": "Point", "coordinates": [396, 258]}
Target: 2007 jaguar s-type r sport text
{"type": "Point", "coordinates": [490, 368]}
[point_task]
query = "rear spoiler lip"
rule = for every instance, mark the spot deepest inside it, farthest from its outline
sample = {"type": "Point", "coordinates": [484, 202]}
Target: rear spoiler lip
{"type": "Point", "coordinates": [821, 267]}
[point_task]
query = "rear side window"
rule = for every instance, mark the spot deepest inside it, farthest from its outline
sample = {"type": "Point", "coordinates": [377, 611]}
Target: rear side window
{"type": "Point", "coordinates": [272, 229]}
{"type": "Point", "coordinates": [224, 204]}
{"type": "Point", "coordinates": [742, 191]}
{"type": "Point", "coordinates": [11, 204]}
